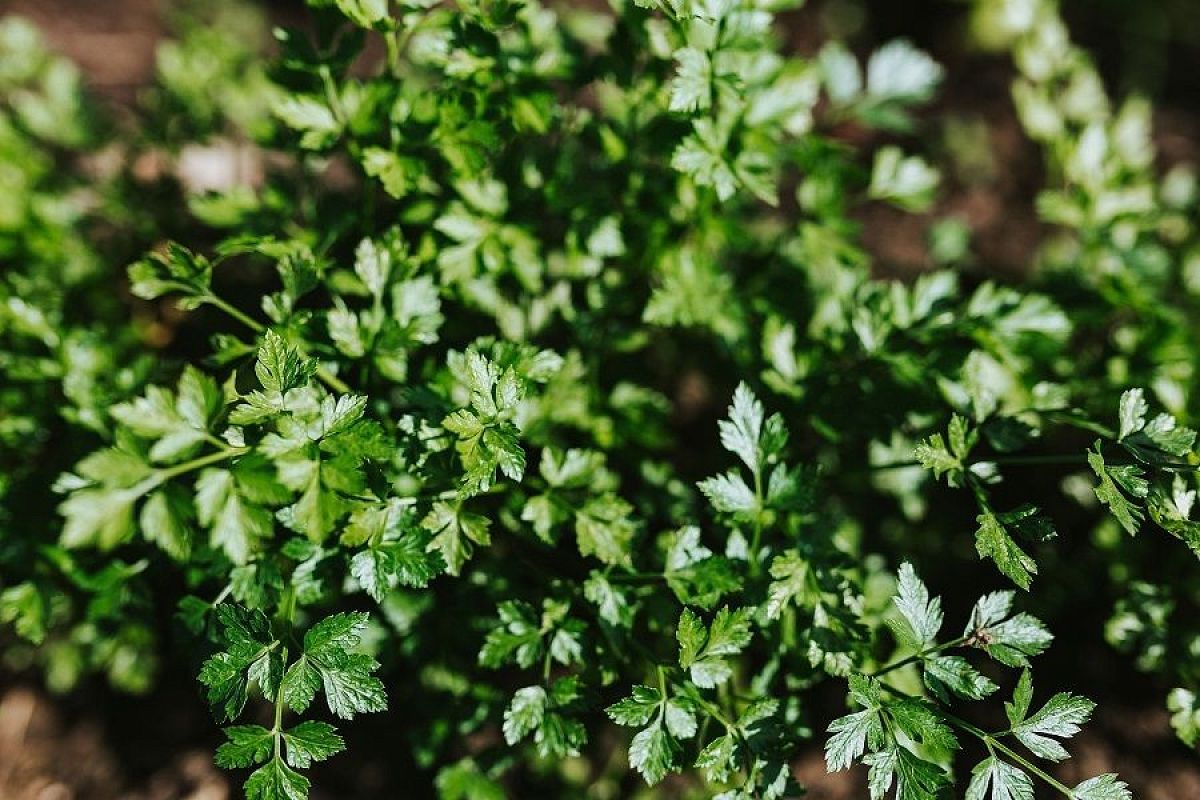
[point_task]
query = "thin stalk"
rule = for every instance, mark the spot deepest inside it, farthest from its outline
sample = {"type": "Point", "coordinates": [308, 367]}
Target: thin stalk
{"type": "Point", "coordinates": [163, 475]}
{"type": "Point", "coordinates": [915, 657]}
{"type": "Point", "coordinates": [277, 729]}
{"type": "Point", "coordinates": [287, 611]}
{"type": "Point", "coordinates": [1002, 461]}
{"type": "Point", "coordinates": [220, 598]}
{"type": "Point", "coordinates": [324, 375]}
{"type": "Point", "coordinates": [392, 39]}
{"type": "Point", "coordinates": [236, 313]}
{"type": "Point", "coordinates": [638, 577]}
{"type": "Point", "coordinates": [1026, 764]}
{"type": "Point", "coordinates": [1018, 461]}
{"type": "Point", "coordinates": [756, 539]}
{"type": "Point", "coordinates": [991, 742]}
{"type": "Point", "coordinates": [333, 381]}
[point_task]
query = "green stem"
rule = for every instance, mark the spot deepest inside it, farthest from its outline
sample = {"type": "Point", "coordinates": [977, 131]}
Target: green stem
{"type": "Point", "coordinates": [716, 713]}
{"type": "Point", "coordinates": [215, 442]}
{"type": "Point", "coordinates": [392, 38]}
{"type": "Point", "coordinates": [220, 598]}
{"type": "Point", "coordinates": [1026, 763]}
{"type": "Point", "coordinates": [756, 539]}
{"type": "Point", "coordinates": [333, 381]}
{"type": "Point", "coordinates": [324, 375]}
{"type": "Point", "coordinates": [894, 465]}
{"type": "Point", "coordinates": [637, 577]}
{"type": "Point", "coordinates": [163, 475]}
{"type": "Point", "coordinates": [915, 657]}
{"type": "Point", "coordinates": [991, 742]}
{"type": "Point", "coordinates": [331, 94]}
{"type": "Point", "coordinates": [1003, 461]}
{"type": "Point", "coordinates": [1017, 461]}
{"type": "Point", "coordinates": [236, 313]}
{"type": "Point", "coordinates": [287, 611]}
{"type": "Point", "coordinates": [277, 730]}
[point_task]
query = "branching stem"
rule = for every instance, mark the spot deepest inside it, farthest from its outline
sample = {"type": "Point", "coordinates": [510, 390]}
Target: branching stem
{"type": "Point", "coordinates": [922, 655]}
{"type": "Point", "coordinates": [324, 375]}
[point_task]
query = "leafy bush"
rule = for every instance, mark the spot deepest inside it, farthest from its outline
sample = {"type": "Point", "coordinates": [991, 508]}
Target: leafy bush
{"type": "Point", "coordinates": [438, 430]}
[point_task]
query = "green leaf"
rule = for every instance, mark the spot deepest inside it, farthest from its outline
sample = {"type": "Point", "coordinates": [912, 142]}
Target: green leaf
{"type": "Point", "coordinates": [100, 518]}
{"type": "Point", "coordinates": [455, 532]}
{"type": "Point", "coordinates": [703, 653]}
{"type": "Point", "coordinates": [1133, 412]}
{"type": "Point", "coordinates": [487, 440]}
{"type": "Point", "coordinates": [953, 674]}
{"type": "Point", "coordinates": [1011, 640]}
{"type": "Point", "coordinates": [653, 753]}
{"type": "Point", "coordinates": [176, 270]}
{"type": "Point", "coordinates": [24, 607]}
{"type": "Point", "coordinates": [905, 181]}
{"type": "Point", "coordinates": [279, 367]}
{"type": "Point", "coordinates": [317, 122]}
{"type": "Point", "coordinates": [1168, 436]}
{"type": "Point", "coordinates": [276, 781]}
{"type": "Point", "coordinates": [899, 71]}
{"type": "Point", "coordinates": [311, 741]}
{"type": "Point", "coordinates": [177, 422]}
{"type": "Point", "coordinates": [1060, 717]}
{"type": "Point", "coordinates": [1185, 716]}
{"type": "Point", "coordinates": [920, 722]}
{"type": "Point", "coordinates": [603, 529]}
{"type": "Point", "coordinates": [933, 455]}
{"type": "Point", "coordinates": [921, 616]}
{"type": "Point", "coordinates": [791, 580]}
{"type": "Point", "coordinates": [915, 778]}
{"type": "Point", "coordinates": [691, 634]}
{"type": "Point", "coordinates": [1006, 781]}
{"type": "Point", "coordinates": [1128, 514]}
{"type": "Point", "coordinates": [345, 676]}
{"type": "Point", "coordinates": [364, 12]}
{"type": "Point", "coordinates": [740, 433]}
{"type": "Point", "coordinates": [248, 745]}
{"type": "Point", "coordinates": [636, 710]}
{"type": "Point", "coordinates": [849, 736]}
{"type": "Point", "coordinates": [690, 90]}
{"type": "Point", "coordinates": [694, 574]}
{"type": "Point", "coordinates": [882, 772]}
{"type": "Point", "coordinates": [680, 721]}
{"type": "Point", "coordinates": [716, 760]}
{"type": "Point", "coordinates": [166, 521]}
{"type": "Point", "coordinates": [1102, 787]}
{"type": "Point", "coordinates": [611, 601]}
{"type": "Point", "coordinates": [729, 494]}
{"type": "Point", "coordinates": [524, 714]}
{"type": "Point", "coordinates": [250, 654]}
{"type": "Point", "coordinates": [992, 541]}
{"type": "Point", "coordinates": [300, 685]}
{"type": "Point", "coordinates": [464, 781]}
{"type": "Point", "coordinates": [231, 504]}
{"type": "Point", "coordinates": [523, 637]}
{"type": "Point", "coordinates": [397, 550]}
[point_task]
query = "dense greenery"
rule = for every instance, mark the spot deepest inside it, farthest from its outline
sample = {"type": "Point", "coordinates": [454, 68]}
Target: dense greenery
{"type": "Point", "coordinates": [439, 428]}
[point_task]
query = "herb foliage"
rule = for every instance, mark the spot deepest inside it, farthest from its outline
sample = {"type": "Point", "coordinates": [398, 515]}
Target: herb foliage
{"type": "Point", "coordinates": [433, 455]}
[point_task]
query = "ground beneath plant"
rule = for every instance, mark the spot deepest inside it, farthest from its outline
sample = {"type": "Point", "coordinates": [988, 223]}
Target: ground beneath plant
{"type": "Point", "coordinates": [80, 749]}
